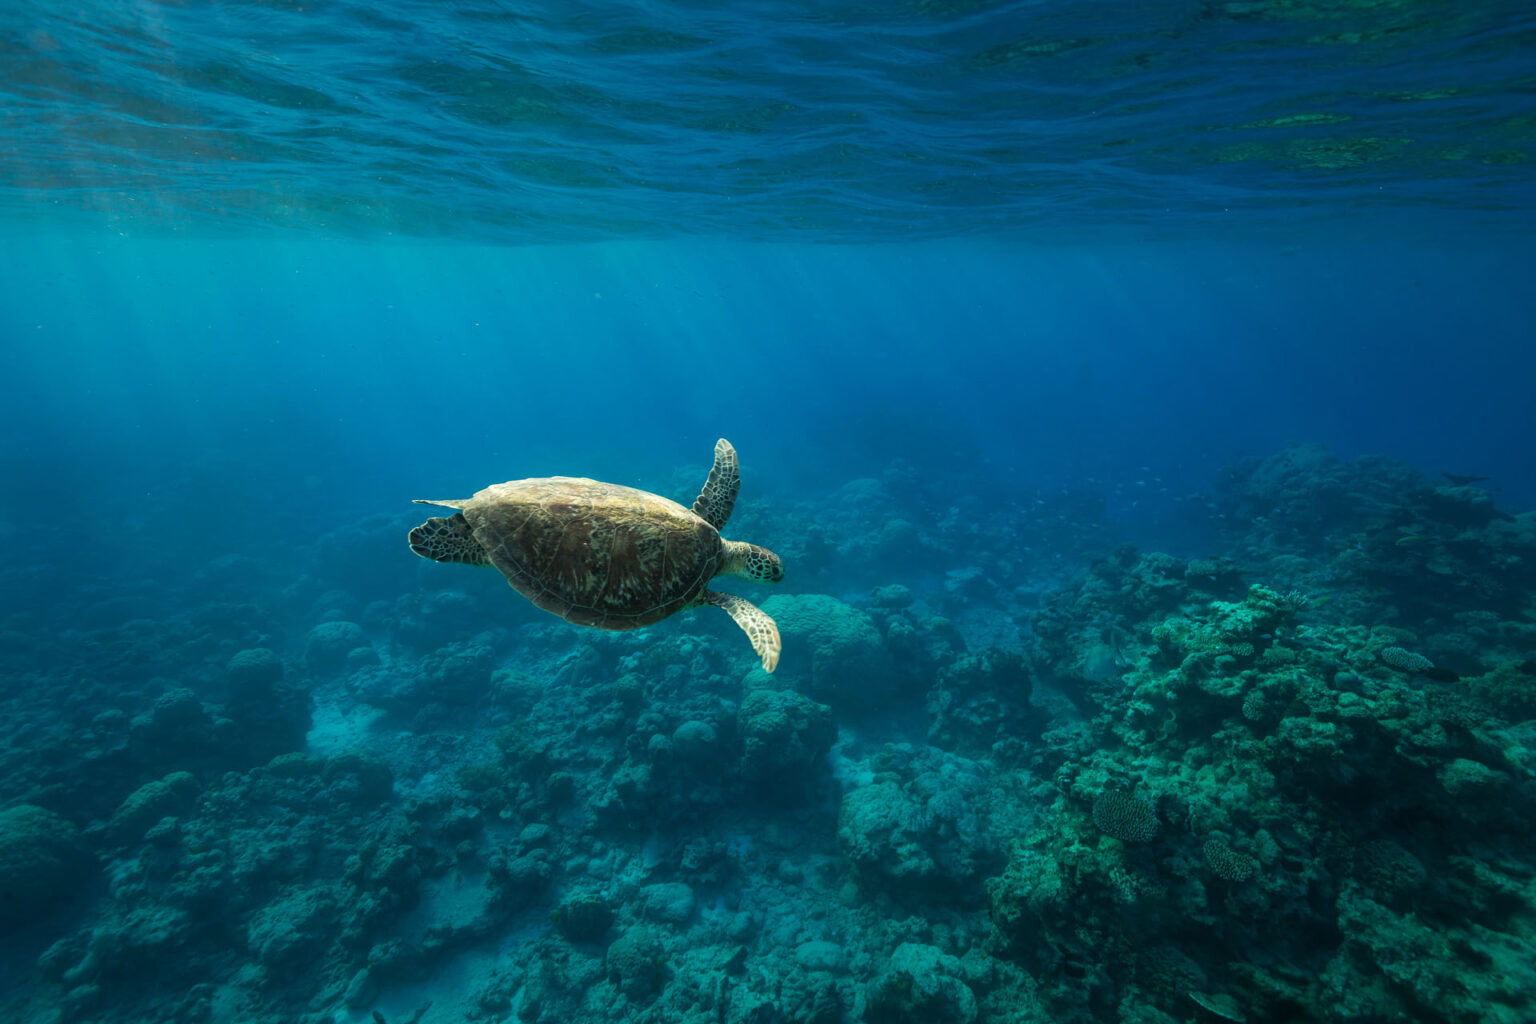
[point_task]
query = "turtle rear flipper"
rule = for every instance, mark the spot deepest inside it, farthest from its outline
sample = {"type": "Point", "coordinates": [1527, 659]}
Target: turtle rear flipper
{"type": "Point", "coordinates": [447, 540]}
{"type": "Point", "coordinates": [759, 627]}
{"type": "Point", "coordinates": [715, 502]}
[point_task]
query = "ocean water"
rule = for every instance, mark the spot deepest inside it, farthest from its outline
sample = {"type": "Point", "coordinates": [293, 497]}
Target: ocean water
{"type": "Point", "coordinates": [1138, 397]}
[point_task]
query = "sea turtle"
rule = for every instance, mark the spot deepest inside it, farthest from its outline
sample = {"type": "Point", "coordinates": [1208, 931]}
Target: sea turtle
{"type": "Point", "coordinates": [604, 555]}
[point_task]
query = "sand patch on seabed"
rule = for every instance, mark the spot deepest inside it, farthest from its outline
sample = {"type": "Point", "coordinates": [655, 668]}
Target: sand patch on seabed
{"type": "Point", "coordinates": [449, 996]}
{"type": "Point", "coordinates": [340, 722]}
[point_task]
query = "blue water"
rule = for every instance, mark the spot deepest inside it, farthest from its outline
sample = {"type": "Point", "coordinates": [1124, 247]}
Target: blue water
{"type": "Point", "coordinates": [577, 121]}
{"type": "Point", "coordinates": [984, 295]}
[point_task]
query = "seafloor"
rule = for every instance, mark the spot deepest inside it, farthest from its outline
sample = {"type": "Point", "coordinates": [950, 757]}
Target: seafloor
{"type": "Point", "coordinates": [1007, 771]}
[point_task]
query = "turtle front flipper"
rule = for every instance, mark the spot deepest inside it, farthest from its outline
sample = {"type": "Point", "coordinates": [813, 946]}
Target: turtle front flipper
{"type": "Point", "coordinates": [760, 629]}
{"type": "Point", "coordinates": [715, 502]}
{"type": "Point", "coordinates": [447, 540]}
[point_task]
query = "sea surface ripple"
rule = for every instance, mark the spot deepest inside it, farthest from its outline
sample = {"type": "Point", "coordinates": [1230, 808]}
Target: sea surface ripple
{"type": "Point", "coordinates": [576, 120]}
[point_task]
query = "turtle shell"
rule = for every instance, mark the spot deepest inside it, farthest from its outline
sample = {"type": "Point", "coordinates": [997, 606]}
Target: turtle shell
{"type": "Point", "coordinates": [593, 553]}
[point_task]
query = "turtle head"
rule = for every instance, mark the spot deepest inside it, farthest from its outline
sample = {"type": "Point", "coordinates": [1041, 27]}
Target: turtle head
{"type": "Point", "coordinates": [750, 562]}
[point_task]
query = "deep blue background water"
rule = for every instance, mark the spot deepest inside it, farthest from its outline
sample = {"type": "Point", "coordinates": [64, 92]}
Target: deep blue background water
{"type": "Point", "coordinates": [242, 382]}
{"type": "Point", "coordinates": [273, 255]}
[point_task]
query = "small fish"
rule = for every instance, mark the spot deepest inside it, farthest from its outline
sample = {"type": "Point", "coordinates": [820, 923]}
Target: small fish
{"type": "Point", "coordinates": [1442, 675]}
{"type": "Point", "coordinates": [1410, 539]}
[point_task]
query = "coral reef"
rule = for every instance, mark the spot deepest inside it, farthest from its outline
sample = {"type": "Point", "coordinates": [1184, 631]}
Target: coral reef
{"type": "Point", "coordinates": [924, 826]}
{"type": "Point", "coordinates": [844, 662]}
{"type": "Point", "coordinates": [41, 861]}
{"type": "Point", "coordinates": [1327, 791]}
{"type": "Point", "coordinates": [1289, 777]}
{"type": "Point", "coordinates": [1125, 817]}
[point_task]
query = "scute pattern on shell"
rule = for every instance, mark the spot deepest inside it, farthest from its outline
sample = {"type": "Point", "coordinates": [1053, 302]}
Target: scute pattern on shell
{"type": "Point", "coordinates": [596, 554]}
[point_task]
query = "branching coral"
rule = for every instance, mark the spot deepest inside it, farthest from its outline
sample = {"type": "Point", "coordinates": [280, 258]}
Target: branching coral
{"type": "Point", "coordinates": [1125, 817]}
{"type": "Point", "coordinates": [1227, 862]}
{"type": "Point", "coordinates": [1406, 660]}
